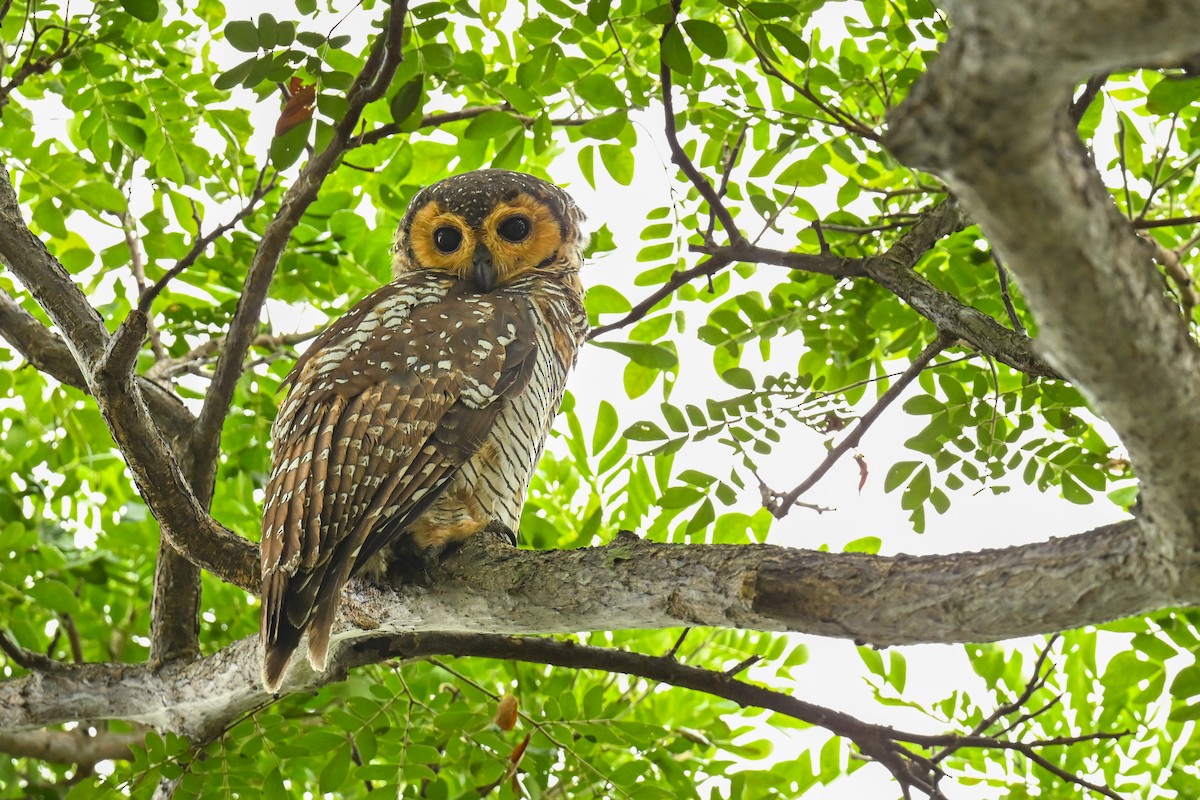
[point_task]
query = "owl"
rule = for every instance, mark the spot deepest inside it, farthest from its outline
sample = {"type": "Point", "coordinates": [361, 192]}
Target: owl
{"type": "Point", "coordinates": [416, 420]}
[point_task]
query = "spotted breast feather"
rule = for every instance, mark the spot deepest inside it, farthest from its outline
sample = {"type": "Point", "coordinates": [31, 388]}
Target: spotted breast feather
{"type": "Point", "coordinates": [390, 429]}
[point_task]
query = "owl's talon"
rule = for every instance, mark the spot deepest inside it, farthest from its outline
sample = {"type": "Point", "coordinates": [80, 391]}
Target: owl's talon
{"type": "Point", "coordinates": [501, 532]}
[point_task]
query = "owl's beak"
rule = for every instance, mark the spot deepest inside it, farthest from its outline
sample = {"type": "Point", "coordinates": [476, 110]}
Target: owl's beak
{"type": "Point", "coordinates": [483, 270]}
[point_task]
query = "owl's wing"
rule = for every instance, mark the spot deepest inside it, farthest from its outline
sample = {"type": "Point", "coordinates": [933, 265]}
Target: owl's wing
{"type": "Point", "coordinates": [385, 407]}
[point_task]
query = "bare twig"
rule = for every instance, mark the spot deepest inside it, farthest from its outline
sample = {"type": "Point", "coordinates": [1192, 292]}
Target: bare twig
{"type": "Point", "coordinates": [678, 156]}
{"type": "Point", "coordinates": [674, 651]}
{"type": "Point", "coordinates": [435, 120]}
{"type": "Point", "coordinates": [781, 504]}
{"type": "Point", "coordinates": [1172, 222]}
{"type": "Point", "coordinates": [23, 657]}
{"type": "Point", "coordinates": [1005, 295]}
{"type": "Point", "coordinates": [261, 190]}
{"type": "Point", "coordinates": [742, 666]}
{"type": "Point", "coordinates": [1080, 105]}
{"type": "Point", "coordinates": [1035, 682]}
{"type": "Point", "coordinates": [137, 265]}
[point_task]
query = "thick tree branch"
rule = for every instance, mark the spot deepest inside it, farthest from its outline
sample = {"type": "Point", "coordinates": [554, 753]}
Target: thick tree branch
{"type": "Point", "coordinates": [48, 282]}
{"type": "Point", "coordinates": [489, 587]}
{"type": "Point", "coordinates": [176, 594]}
{"type": "Point", "coordinates": [70, 747]}
{"type": "Point", "coordinates": [989, 118]}
{"type": "Point", "coordinates": [48, 353]}
{"type": "Point", "coordinates": [105, 364]}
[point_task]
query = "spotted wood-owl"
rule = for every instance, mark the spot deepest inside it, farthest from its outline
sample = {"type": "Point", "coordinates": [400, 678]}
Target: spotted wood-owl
{"type": "Point", "coordinates": [416, 419]}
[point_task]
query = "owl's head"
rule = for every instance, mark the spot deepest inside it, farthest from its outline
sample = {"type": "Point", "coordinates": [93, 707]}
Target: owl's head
{"type": "Point", "coordinates": [490, 227]}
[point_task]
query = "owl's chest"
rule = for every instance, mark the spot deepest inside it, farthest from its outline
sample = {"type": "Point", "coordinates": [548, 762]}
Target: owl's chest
{"type": "Point", "coordinates": [497, 477]}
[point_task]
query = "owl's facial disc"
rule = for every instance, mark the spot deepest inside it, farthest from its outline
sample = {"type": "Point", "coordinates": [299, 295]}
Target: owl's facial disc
{"type": "Point", "coordinates": [487, 244]}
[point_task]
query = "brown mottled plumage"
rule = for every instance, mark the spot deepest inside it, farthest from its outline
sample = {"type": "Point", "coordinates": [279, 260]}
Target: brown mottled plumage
{"type": "Point", "coordinates": [417, 418]}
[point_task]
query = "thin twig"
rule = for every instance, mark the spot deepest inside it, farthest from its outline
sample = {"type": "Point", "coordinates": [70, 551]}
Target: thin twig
{"type": "Point", "coordinates": [1080, 105]}
{"type": "Point", "coordinates": [742, 666]}
{"type": "Point", "coordinates": [1172, 222]}
{"type": "Point", "coordinates": [678, 156]}
{"type": "Point", "coordinates": [435, 120]}
{"type": "Point", "coordinates": [1036, 681]}
{"type": "Point", "coordinates": [705, 268]}
{"type": "Point", "coordinates": [1002, 276]}
{"type": "Point", "coordinates": [674, 651]}
{"type": "Point", "coordinates": [201, 244]}
{"type": "Point", "coordinates": [137, 265]}
{"type": "Point", "coordinates": [839, 117]}
{"type": "Point", "coordinates": [23, 657]}
{"type": "Point", "coordinates": [781, 504]}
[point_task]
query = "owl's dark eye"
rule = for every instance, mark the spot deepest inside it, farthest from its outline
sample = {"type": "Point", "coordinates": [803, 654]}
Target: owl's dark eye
{"type": "Point", "coordinates": [447, 239]}
{"type": "Point", "coordinates": [515, 229]}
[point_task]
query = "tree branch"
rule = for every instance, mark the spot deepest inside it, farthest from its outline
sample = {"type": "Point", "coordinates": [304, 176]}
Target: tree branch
{"type": "Point", "coordinates": [988, 116]}
{"type": "Point", "coordinates": [440, 118]}
{"type": "Point", "coordinates": [176, 595]}
{"type": "Point", "coordinates": [261, 190]}
{"type": "Point", "coordinates": [70, 747]}
{"type": "Point", "coordinates": [780, 504]}
{"type": "Point", "coordinates": [172, 697]}
{"type": "Point", "coordinates": [48, 353]}
{"type": "Point", "coordinates": [678, 156]}
{"type": "Point", "coordinates": [368, 86]}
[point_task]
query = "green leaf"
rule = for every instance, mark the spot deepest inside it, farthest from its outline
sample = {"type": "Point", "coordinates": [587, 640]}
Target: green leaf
{"type": "Point", "coordinates": [55, 595]}
{"type": "Point", "coordinates": [606, 426]}
{"type": "Point", "coordinates": [644, 432]}
{"type": "Point", "coordinates": [708, 36]}
{"type": "Point", "coordinates": [285, 150]}
{"type": "Point", "coordinates": [129, 134]}
{"type": "Point", "coordinates": [601, 91]}
{"type": "Point", "coordinates": [867, 544]}
{"type": "Point", "coordinates": [739, 378]}
{"type": "Point", "coordinates": [490, 125]}
{"type": "Point", "coordinates": [648, 355]}
{"type": "Point", "coordinates": [243, 35]}
{"type": "Point", "coordinates": [898, 474]}
{"type": "Point", "coordinates": [791, 41]}
{"type": "Point", "coordinates": [268, 31]}
{"type": "Point", "coordinates": [408, 99]}
{"type": "Point", "coordinates": [618, 160]}
{"type": "Point", "coordinates": [334, 773]}
{"type": "Point", "coordinates": [1173, 94]}
{"type": "Point", "coordinates": [1074, 492]}
{"type": "Point", "coordinates": [145, 10]}
{"type": "Point", "coordinates": [603, 299]}
{"type": "Point", "coordinates": [675, 52]}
